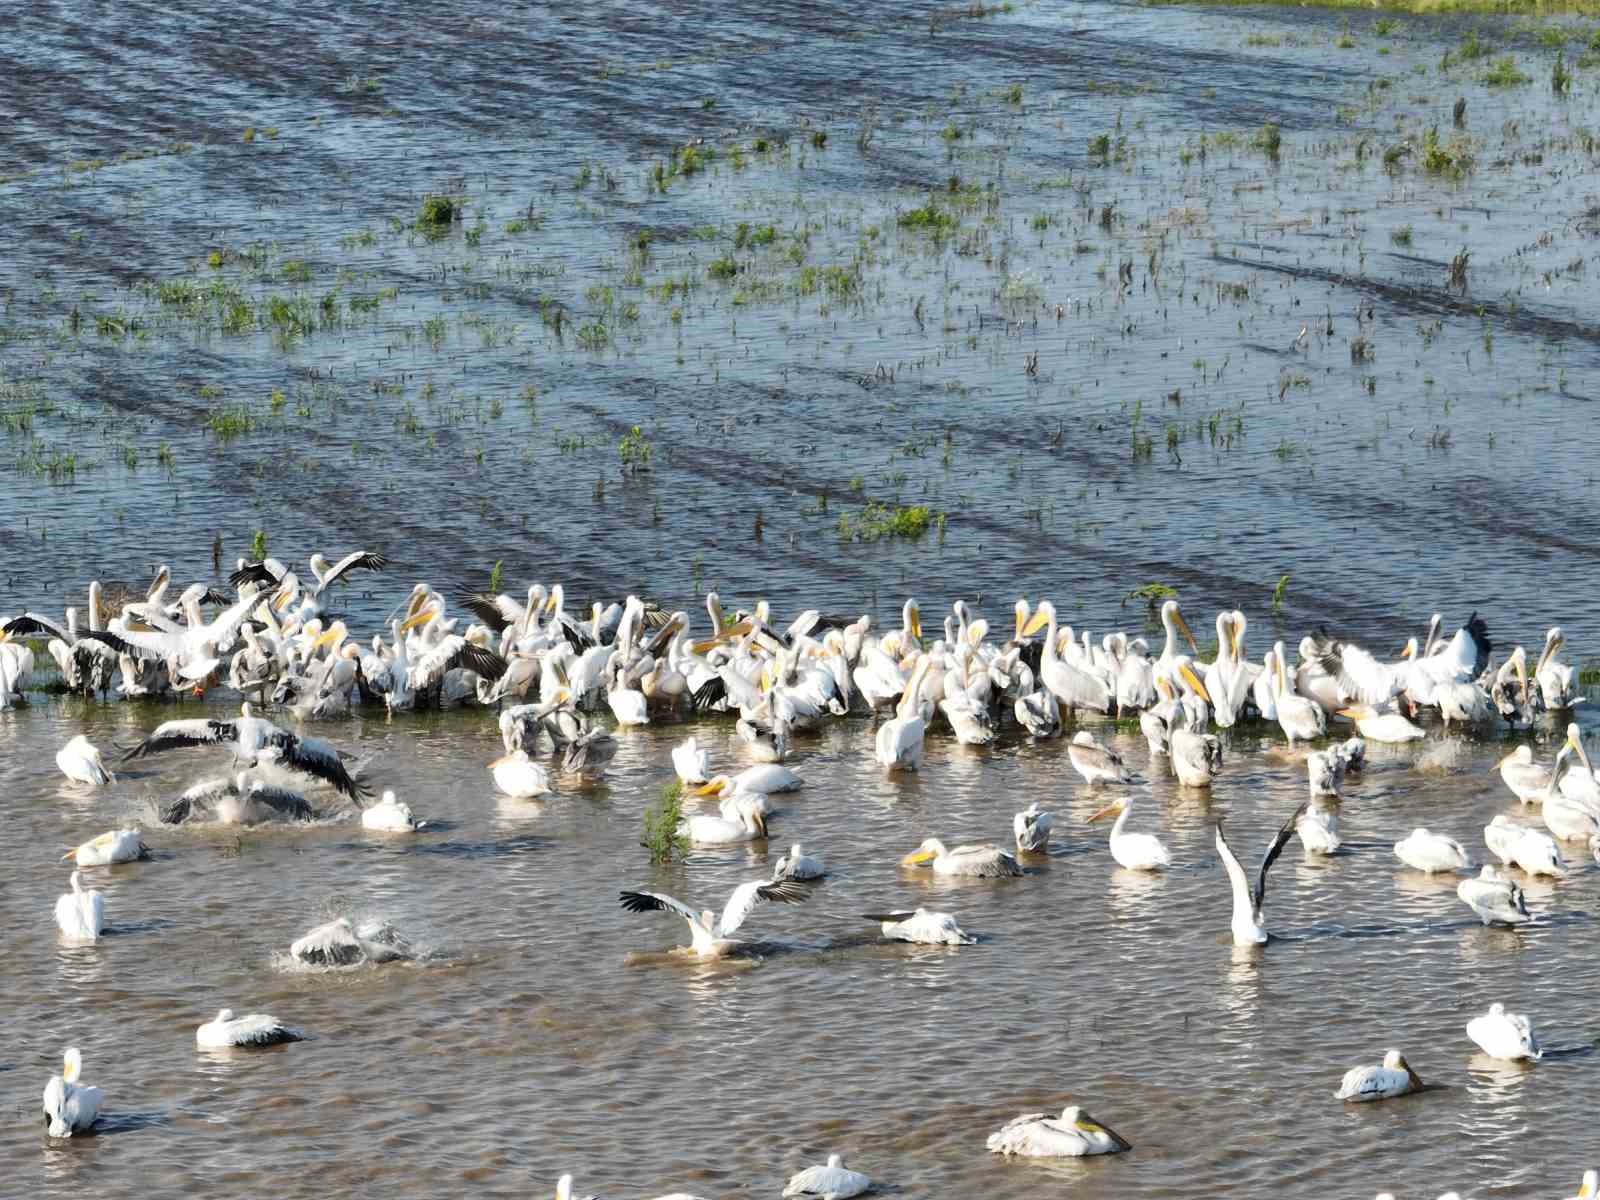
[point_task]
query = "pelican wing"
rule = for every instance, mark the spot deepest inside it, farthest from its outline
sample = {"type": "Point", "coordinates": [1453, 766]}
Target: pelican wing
{"type": "Point", "coordinates": [314, 757]}
{"type": "Point", "coordinates": [34, 623]}
{"type": "Point", "coordinates": [1359, 675]}
{"type": "Point", "coordinates": [1279, 840]}
{"type": "Point", "coordinates": [1236, 875]}
{"type": "Point", "coordinates": [359, 560]}
{"type": "Point", "coordinates": [455, 651]}
{"type": "Point", "coordinates": [498, 612]}
{"type": "Point", "coordinates": [268, 570]}
{"type": "Point", "coordinates": [102, 643]}
{"type": "Point", "coordinates": [286, 803]}
{"type": "Point", "coordinates": [893, 916]}
{"type": "Point", "coordinates": [747, 895]}
{"type": "Point", "coordinates": [171, 735]}
{"type": "Point", "coordinates": [987, 861]}
{"type": "Point", "coordinates": [639, 902]}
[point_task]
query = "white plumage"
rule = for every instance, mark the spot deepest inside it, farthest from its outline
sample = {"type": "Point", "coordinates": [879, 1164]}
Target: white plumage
{"type": "Point", "coordinates": [117, 846]}
{"type": "Point", "coordinates": [390, 815]}
{"type": "Point", "coordinates": [1424, 850]}
{"type": "Point", "coordinates": [1394, 1077]}
{"type": "Point", "coordinates": [80, 762]}
{"type": "Point", "coordinates": [80, 914]}
{"type": "Point", "coordinates": [253, 1029]}
{"type": "Point", "coordinates": [711, 936]}
{"type": "Point", "coordinates": [517, 775]}
{"type": "Point", "coordinates": [929, 928]}
{"type": "Point", "coordinates": [1074, 1134]}
{"type": "Point", "coordinates": [1032, 827]}
{"type": "Point", "coordinates": [691, 761]}
{"type": "Point", "coordinates": [71, 1107]}
{"type": "Point", "coordinates": [832, 1181]}
{"type": "Point", "coordinates": [1505, 1035]}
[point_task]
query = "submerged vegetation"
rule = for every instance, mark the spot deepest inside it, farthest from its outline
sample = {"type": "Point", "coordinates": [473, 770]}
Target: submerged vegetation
{"type": "Point", "coordinates": [662, 820]}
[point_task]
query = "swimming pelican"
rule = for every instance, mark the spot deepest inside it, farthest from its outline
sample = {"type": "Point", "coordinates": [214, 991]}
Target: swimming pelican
{"type": "Point", "coordinates": [921, 925]}
{"type": "Point", "coordinates": [741, 820]}
{"type": "Point", "coordinates": [1504, 1035]}
{"type": "Point", "coordinates": [1032, 828]}
{"type": "Point", "coordinates": [564, 1190]}
{"type": "Point", "coordinates": [691, 761]}
{"type": "Point", "coordinates": [1526, 778]}
{"type": "Point", "coordinates": [236, 800]}
{"type": "Point", "coordinates": [1039, 1135]}
{"type": "Point", "coordinates": [1387, 726]}
{"type": "Point", "coordinates": [832, 1182]}
{"type": "Point", "coordinates": [517, 775]}
{"type": "Point", "coordinates": [1196, 756]}
{"type": "Point", "coordinates": [1590, 1187]}
{"type": "Point", "coordinates": [340, 943]}
{"type": "Point", "coordinates": [1531, 849]}
{"type": "Point", "coordinates": [797, 865]}
{"type": "Point", "coordinates": [1095, 762]}
{"type": "Point", "coordinates": [80, 914]}
{"type": "Point", "coordinates": [390, 815]}
{"type": "Point", "coordinates": [118, 846]}
{"type": "Point", "coordinates": [1318, 827]}
{"type": "Point", "coordinates": [899, 741]}
{"type": "Point", "coordinates": [1494, 897]}
{"type": "Point", "coordinates": [80, 762]}
{"type": "Point", "coordinates": [71, 1106]}
{"type": "Point", "coordinates": [1556, 679]}
{"type": "Point", "coordinates": [1423, 850]}
{"type": "Point", "coordinates": [985, 859]}
{"type": "Point", "coordinates": [712, 935]}
{"type": "Point", "coordinates": [254, 1029]}
{"type": "Point", "coordinates": [1247, 903]}
{"type": "Point", "coordinates": [1135, 851]}
{"type": "Point", "coordinates": [1394, 1078]}
{"type": "Point", "coordinates": [252, 738]}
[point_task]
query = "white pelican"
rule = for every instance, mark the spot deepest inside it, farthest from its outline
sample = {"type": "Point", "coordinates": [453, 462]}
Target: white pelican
{"type": "Point", "coordinates": [1324, 771]}
{"type": "Point", "coordinates": [236, 800]}
{"type": "Point", "coordinates": [712, 935]}
{"type": "Point", "coordinates": [770, 779]}
{"type": "Point", "coordinates": [118, 846]}
{"type": "Point", "coordinates": [1196, 756]}
{"type": "Point", "coordinates": [691, 761]}
{"type": "Point", "coordinates": [252, 738]}
{"type": "Point", "coordinates": [1158, 721]}
{"type": "Point", "coordinates": [1590, 1187]}
{"type": "Point", "coordinates": [1038, 711]}
{"type": "Point", "coordinates": [1072, 684]}
{"type": "Point", "coordinates": [339, 943]}
{"type": "Point", "coordinates": [985, 859]}
{"type": "Point", "coordinates": [1039, 1135]}
{"type": "Point", "coordinates": [270, 570]}
{"type": "Point", "coordinates": [1556, 679]}
{"type": "Point", "coordinates": [1526, 778]}
{"type": "Point", "coordinates": [899, 741]}
{"type": "Point", "coordinates": [517, 775]}
{"type": "Point", "coordinates": [798, 865]}
{"type": "Point", "coordinates": [253, 1029]}
{"type": "Point", "coordinates": [1318, 827]}
{"type": "Point", "coordinates": [921, 925]}
{"type": "Point", "coordinates": [1424, 850]}
{"type": "Point", "coordinates": [1095, 762]}
{"type": "Point", "coordinates": [1247, 903]}
{"type": "Point", "coordinates": [832, 1182]}
{"type": "Point", "coordinates": [1388, 726]}
{"type": "Point", "coordinates": [1264, 691]}
{"type": "Point", "coordinates": [564, 1190]}
{"type": "Point", "coordinates": [1172, 623]}
{"type": "Point", "coordinates": [1136, 851]}
{"type": "Point", "coordinates": [1393, 1078]}
{"type": "Point", "coordinates": [1531, 849]}
{"type": "Point", "coordinates": [71, 1106]}
{"type": "Point", "coordinates": [1494, 897]}
{"type": "Point", "coordinates": [740, 821]}
{"type": "Point", "coordinates": [1505, 1035]}
{"type": "Point", "coordinates": [80, 914]}
{"type": "Point", "coordinates": [80, 762]}
{"type": "Point", "coordinates": [1299, 718]}
{"type": "Point", "coordinates": [390, 815]}
{"type": "Point", "coordinates": [1032, 828]}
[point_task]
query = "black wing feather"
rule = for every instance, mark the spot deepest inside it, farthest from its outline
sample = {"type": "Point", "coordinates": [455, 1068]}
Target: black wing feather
{"type": "Point", "coordinates": [255, 572]}
{"type": "Point", "coordinates": [482, 606]}
{"type": "Point", "coordinates": [894, 916]}
{"type": "Point", "coordinates": [218, 733]}
{"type": "Point", "coordinates": [33, 623]}
{"type": "Point", "coordinates": [785, 892]}
{"type": "Point", "coordinates": [643, 902]}
{"type": "Point", "coordinates": [576, 637]}
{"type": "Point", "coordinates": [1279, 841]}
{"type": "Point", "coordinates": [484, 662]}
{"type": "Point", "coordinates": [708, 695]}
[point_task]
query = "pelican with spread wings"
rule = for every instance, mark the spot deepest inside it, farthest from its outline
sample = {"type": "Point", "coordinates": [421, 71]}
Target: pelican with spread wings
{"type": "Point", "coordinates": [712, 935]}
{"type": "Point", "coordinates": [1247, 902]}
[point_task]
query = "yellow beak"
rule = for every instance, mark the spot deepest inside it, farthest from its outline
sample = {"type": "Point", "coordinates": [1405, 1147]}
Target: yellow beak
{"type": "Point", "coordinates": [1196, 683]}
{"type": "Point", "coordinates": [1109, 810]}
{"type": "Point", "coordinates": [1183, 627]}
{"type": "Point", "coordinates": [1037, 622]}
{"type": "Point", "coordinates": [917, 858]}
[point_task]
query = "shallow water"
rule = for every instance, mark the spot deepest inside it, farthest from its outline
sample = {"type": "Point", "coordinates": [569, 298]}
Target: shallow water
{"type": "Point", "coordinates": [437, 411]}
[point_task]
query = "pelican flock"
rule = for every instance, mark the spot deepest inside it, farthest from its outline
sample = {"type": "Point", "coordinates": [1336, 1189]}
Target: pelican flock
{"type": "Point", "coordinates": [563, 688]}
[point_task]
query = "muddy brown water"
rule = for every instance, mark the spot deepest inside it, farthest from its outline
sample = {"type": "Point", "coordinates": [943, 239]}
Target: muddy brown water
{"type": "Point", "coordinates": [434, 407]}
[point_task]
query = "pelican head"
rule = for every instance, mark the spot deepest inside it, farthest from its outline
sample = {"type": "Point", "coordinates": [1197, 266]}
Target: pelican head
{"type": "Point", "coordinates": [71, 1065]}
{"type": "Point", "coordinates": [1554, 639]}
{"type": "Point", "coordinates": [1591, 1185]}
{"type": "Point", "coordinates": [1172, 618]}
{"type": "Point", "coordinates": [224, 1014]}
{"type": "Point", "coordinates": [930, 849]}
{"type": "Point", "coordinates": [835, 1160]}
{"type": "Point", "coordinates": [1393, 1060]}
{"type": "Point", "coordinates": [1115, 808]}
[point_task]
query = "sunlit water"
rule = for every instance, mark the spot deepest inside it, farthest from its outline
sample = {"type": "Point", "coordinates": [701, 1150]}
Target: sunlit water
{"type": "Point", "coordinates": [548, 1030]}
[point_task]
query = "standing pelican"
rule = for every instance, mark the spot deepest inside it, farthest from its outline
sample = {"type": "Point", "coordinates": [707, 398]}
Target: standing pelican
{"type": "Point", "coordinates": [81, 762]}
{"type": "Point", "coordinates": [1504, 1035]}
{"type": "Point", "coordinates": [1135, 851]}
{"type": "Point", "coordinates": [899, 743]}
{"type": "Point", "coordinates": [1299, 718]}
{"type": "Point", "coordinates": [1556, 679]}
{"type": "Point", "coordinates": [1095, 762]}
{"type": "Point", "coordinates": [1039, 1135]}
{"type": "Point", "coordinates": [1247, 927]}
{"type": "Point", "coordinates": [1394, 1078]}
{"type": "Point", "coordinates": [1494, 897]}
{"type": "Point", "coordinates": [711, 935]}
{"type": "Point", "coordinates": [71, 1106]}
{"type": "Point", "coordinates": [1032, 828]}
{"type": "Point", "coordinates": [80, 914]}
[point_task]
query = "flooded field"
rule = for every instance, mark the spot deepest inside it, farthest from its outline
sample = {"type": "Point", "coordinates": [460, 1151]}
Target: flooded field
{"type": "Point", "coordinates": [1285, 309]}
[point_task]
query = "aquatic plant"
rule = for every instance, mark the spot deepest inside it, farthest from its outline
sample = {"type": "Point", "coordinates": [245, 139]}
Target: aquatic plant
{"type": "Point", "coordinates": [1560, 77]}
{"type": "Point", "coordinates": [661, 825]}
{"type": "Point", "coordinates": [929, 218]}
{"type": "Point", "coordinates": [1154, 595]}
{"type": "Point", "coordinates": [228, 423]}
{"type": "Point", "coordinates": [1269, 140]}
{"type": "Point", "coordinates": [877, 521]}
{"type": "Point", "coordinates": [635, 451]}
{"type": "Point", "coordinates": [1505, 73]}
{"type": "Point", "coordinates": [1452, 159]}
{"type": "Point", "coordinates": [258, 546]}
{"type": "Point", "coordinates": [437, 212]}
{"type": "Point", "coordinates": [1279, 592]}
{"type": "Point", "coordinates": [1458, 269]}
{"type": "Point", "coordinates": [495, 577]}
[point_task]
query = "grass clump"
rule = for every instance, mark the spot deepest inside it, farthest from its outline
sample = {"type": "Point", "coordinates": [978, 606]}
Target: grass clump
{"type": "Point", "coordinates": [661, 825]}
{"type": "Point", "coordinates": [1452, 159]}
{"type": "Point", "coordinates": [930, 218]}
{"type": "Point", "coordinates": [635, 451]}
{"type": "Point", "coordinates": [1401, 236]}
{"type": "Point", "coordinates": [437, 213]}
{"type": "Point", "coordinates": [1154, 595]}
{"type": "Point", "coordinates": [1269, 140]}
{"type": "Point", "coordinates": [1279, 592]}
{"type": "Point", "coordinates": [229, 423]}
{"type": "Point", "coordinates": [1505, 73]}
{"type": "Point", "coordinates": [877, 521]}
{"type": "Point", "coordinates": [258, 546]}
